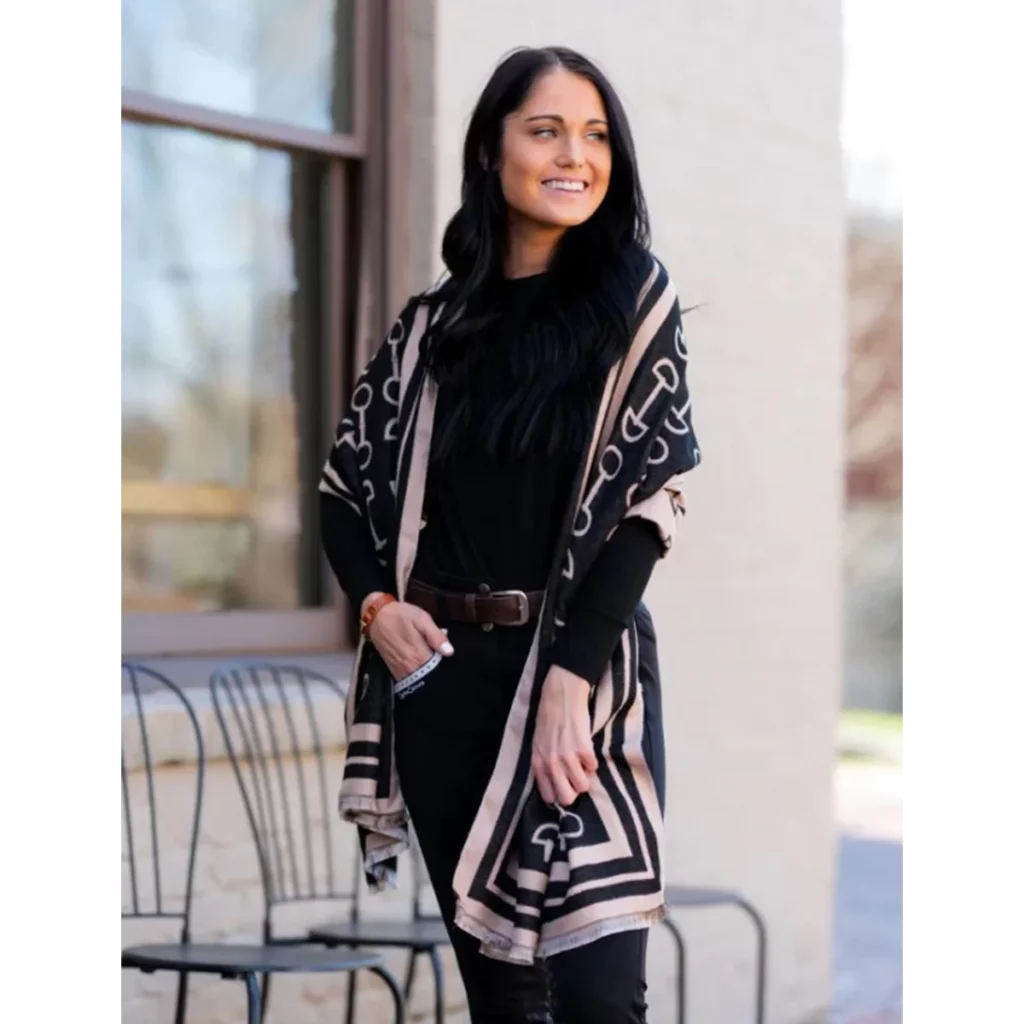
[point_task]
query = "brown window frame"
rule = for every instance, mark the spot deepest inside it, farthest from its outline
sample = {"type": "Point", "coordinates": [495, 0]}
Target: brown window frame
{"type": "Point", "coordinates": [364, 186]}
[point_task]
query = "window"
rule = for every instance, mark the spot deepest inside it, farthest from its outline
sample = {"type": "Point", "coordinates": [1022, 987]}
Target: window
{"type": "Point", "coordinates": [280, 60]}
{"type": "Point", "coordinates": [251, 244]}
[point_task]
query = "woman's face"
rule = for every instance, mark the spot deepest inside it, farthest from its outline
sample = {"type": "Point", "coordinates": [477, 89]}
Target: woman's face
{"type": "Point", "coordinates": [555, 157]}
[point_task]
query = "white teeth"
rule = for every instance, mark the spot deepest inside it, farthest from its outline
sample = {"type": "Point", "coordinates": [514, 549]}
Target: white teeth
{"type": "Point", "coordinates": [566, 186]}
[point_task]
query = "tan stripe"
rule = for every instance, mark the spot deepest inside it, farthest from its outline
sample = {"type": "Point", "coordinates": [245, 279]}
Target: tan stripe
{"type": "Point", "coordinates": [331, 483]}
{"type": "Point", "coordinates": [412, 507]}
{"type": "Point", "coordinates": [603, 700]}
{"type": "Point", "coordinates": [525, 938]}
{"type": "Point", "coordinates": [597, 883]}
{"type": "Point", "coordinates": [357, 787]}
{"type": "Point", "coordinates": [411, 351]}
{"type": "Point", "coordinates": [364, 732]}
{"type": "Point", "coordinates": [386, 817]}
{"type": "Point", "coordinates": [410, 355]}
{"type": "Point", "coordinates": [560, 872]}
{"type": "Point", "coordinates": [641, 342]}
{"type": "Point", "coordinates": [587, 917]}
{"type": "Point", "coordinates": [648, 285]}
{"type": "Point", "coordinates": [534, 881]}
{"type": "Point", "coordinates": [489, 927]}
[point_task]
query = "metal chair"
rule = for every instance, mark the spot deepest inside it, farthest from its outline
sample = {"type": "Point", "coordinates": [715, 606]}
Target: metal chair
{"type": "Point", "coordinates": [231, 961]}
{"type": "Point", "coordinates": [695, 897]}
{"type": "Point", "coordinates": [275, 740]}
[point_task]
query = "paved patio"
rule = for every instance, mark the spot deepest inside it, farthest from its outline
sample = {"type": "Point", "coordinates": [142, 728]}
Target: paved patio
{"type": "Point", "coordinates": [868, 935]}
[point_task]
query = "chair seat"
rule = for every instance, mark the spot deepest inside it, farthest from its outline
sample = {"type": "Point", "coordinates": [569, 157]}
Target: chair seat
{"type": "Point", "coordinates": [696, 896]}
{"type": "Point", "coordinates": [227, 958]}
{"type": "Point", "coordinates": [424, 933]}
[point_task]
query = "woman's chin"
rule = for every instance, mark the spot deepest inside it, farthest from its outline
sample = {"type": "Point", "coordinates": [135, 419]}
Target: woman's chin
{"type": "Point", "coordinates": [559, 219]}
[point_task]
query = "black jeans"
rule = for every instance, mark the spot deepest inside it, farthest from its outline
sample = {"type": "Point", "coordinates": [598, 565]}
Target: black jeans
{"type": "Point", "coordinates": [447, 739]}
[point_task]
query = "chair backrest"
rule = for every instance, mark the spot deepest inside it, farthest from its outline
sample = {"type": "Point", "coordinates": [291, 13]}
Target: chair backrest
{"type": "Point", "coordinates": [155, 889]}
{"type": "Point", "coordinates": [280, 723]}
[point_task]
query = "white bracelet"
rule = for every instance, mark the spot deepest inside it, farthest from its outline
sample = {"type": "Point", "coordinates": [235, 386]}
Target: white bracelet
{"type": "Point", "coordinates": [414, 680]}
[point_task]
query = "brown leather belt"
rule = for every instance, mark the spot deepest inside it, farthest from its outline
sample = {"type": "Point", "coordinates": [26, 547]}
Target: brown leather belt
{"type": "Point", "coordinates": [485, 608]}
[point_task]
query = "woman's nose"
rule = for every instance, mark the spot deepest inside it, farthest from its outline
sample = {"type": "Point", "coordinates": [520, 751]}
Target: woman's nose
{"type": "Point", "coordinates": [571, 154]}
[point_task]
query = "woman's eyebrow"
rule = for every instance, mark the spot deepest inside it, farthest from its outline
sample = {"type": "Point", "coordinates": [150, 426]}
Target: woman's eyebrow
{"type": "Point", "coordinates": [561, 120]}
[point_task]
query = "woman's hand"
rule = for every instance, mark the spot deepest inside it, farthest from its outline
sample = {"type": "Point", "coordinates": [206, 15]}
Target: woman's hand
{"type": "Point", "coordinates": [563, 749]}
{"type": "Point", "coordinates": [406, 636]}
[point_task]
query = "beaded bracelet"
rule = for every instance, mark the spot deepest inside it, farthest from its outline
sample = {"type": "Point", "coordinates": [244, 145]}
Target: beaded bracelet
{"type": "Point", "coordinates": [371, 612]}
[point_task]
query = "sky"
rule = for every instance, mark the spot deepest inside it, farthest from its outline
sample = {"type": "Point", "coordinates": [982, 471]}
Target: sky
{"type": "Point", "coordinates": [872, 97]}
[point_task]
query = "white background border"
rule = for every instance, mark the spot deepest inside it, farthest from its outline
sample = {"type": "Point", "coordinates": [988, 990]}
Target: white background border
{"type": "Point", "coordinates": [963, 513]}
{"type": "Point", "coordinates": [60, 520]}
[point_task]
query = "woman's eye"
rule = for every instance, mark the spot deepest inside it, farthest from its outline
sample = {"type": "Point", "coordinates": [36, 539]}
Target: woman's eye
{"type": "Point", "coordinates": [551, 133]}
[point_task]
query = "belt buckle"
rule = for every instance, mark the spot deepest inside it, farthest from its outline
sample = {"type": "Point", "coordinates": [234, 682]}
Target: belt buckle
{"type": "Point", "coordinates": [522, 603]}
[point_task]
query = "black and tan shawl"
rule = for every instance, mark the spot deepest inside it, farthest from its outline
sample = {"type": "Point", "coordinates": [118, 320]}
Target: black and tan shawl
{"type": "Point", "coordinates": [533, 880]}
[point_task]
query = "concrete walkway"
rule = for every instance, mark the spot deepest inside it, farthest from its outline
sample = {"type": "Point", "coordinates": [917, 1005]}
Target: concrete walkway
{"type": "Point", "coordinates": [868, 933]}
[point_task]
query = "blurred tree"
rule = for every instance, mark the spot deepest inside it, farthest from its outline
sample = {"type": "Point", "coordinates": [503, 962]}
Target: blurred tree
{"type": "Point", "coordinates": [874, 381]}
{"type": "Point", "coordinates": [874, 464]}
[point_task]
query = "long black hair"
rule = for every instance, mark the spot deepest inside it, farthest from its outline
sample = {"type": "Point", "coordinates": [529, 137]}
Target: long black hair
{"type": "Point", "coordinates": [542, 389]}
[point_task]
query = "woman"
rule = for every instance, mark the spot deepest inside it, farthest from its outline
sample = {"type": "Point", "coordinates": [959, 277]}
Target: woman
{"type": "Point", "coordinates": [497, 496]}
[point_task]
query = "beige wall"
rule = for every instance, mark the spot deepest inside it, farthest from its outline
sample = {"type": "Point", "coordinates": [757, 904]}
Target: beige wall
{"type": "Point", "coordinates": [734, 106]}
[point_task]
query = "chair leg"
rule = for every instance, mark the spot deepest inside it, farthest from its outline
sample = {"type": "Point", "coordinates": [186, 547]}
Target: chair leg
{"type": "Point", "coordinates": [350, 1008]}
{"type": "Point", "coordinates": [677, 938]}
{"type": "Point", "coordinates": [255, 1003]}
{"type": "Point", "coordinates": [182, 998]}
{"type": "Point", "coordinates": [264, 997]}
{"type": "Point", "coordinates": [268, 940]}
{"type": "Point", "coordinates": [762, 957]}
{"type": "Point", "coordinates": [410, 972]}
{"type": "Point", "coordinates": [396, 993]}
{"type": "Point", "coordinates": [438, 965]}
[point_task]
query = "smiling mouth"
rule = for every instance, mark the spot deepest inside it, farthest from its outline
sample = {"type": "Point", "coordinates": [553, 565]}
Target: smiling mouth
{"type": "Point", "coordinates": [565, 187]}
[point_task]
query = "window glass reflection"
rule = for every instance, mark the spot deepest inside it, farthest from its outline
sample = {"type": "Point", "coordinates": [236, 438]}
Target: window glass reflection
{"type": "Point", "coordinates": [282, 60]}
{"type": "Point", "coordinates": [211, 510]}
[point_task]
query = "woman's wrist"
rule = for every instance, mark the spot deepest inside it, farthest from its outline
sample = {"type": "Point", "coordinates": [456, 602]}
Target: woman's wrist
{"type": "Point", "coordinates": [572, 686]}
{"type": "Point", "coordinates": [371, 607]}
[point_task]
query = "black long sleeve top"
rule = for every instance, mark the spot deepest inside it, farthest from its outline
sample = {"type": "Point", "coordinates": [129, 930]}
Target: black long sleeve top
{"type": "Point", "coordinates": [497, 523]}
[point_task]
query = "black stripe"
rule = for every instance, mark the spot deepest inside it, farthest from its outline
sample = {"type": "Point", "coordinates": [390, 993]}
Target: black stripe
{"type": "Point", "coordinates": [627, 775]}
{"type": "Point", "coordinates": [602, 893]}
{"type": "Point", "coordinates": [363, 748]}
